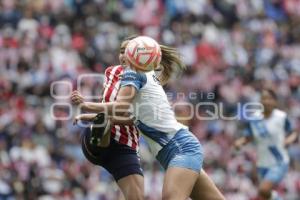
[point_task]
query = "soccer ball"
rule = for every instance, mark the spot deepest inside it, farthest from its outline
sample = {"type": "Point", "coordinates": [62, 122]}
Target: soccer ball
{"type": "Point", "coordinates": [143, 53]}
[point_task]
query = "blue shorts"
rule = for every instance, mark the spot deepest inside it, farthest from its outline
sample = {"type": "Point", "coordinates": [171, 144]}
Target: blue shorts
{"type": "Point", "coordinates": [118, 159]}
{"type": "Point", "coordinates": [183, 150]}
{"type": "Point", "coordinates": [273, 174]}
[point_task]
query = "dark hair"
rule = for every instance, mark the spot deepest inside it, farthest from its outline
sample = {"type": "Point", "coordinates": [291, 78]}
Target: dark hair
{"type": "Point", "coordinates": [130, 37]}
{"type": "Point", "coordinates": [170, 62]}
{"type": "Point", "coordinates": [127, 39]}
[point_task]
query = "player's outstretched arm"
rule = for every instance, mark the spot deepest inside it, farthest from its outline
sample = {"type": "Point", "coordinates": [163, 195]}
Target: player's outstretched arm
{"type": "Point", "coordinates": [119, 107]}
{"type": "Point", "coordinates": [85, 117]}
{"type": "Point", "coordinates": [291, 138]}
{"type": "Point", "coordinates": [242, 141]}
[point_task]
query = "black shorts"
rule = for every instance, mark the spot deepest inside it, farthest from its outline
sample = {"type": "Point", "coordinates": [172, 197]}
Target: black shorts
{"type": "Point", "coordinates": [118, 159]}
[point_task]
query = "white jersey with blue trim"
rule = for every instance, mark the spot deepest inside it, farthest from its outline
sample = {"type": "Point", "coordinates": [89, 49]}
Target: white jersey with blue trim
{"type": "Point", "coordinates": [269, 134]}
{"type": "Point", "coordinates": [153, 114]}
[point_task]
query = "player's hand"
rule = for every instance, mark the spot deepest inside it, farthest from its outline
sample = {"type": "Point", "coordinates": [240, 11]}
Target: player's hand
{"type": "Point", "coordinates": [84, 117]}
{"type": "Point", "coordinates": [236, 145]}
{"type": "Point", "coordinates": [76, 119]}
{"type": "Point", "coordinates": [76, 98]}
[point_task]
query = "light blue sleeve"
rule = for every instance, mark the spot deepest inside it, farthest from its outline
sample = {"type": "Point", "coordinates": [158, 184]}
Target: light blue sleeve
{"type": "Point", "coordinates": [133, 78]}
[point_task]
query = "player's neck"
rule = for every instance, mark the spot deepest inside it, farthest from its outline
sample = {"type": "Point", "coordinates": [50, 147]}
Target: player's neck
{"type": "Point", "coordinates": [267, 113]}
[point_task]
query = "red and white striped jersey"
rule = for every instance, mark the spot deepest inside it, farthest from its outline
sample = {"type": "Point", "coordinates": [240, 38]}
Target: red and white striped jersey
{"type": "Point", "coordinates": [127, 135]}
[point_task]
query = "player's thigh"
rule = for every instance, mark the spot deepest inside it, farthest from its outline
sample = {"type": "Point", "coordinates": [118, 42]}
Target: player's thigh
{"type": "Point", "coordinates": [275, 174]}
{"type": "Point", "coordinates": [178, 183]}
{"type": "Point", "coordinates": [124, 164]}
{"type": "Point", "coordinates": [205, 189]}
{"type": "Point", "coordinates": [132, 186]}
{"type": "Point", "coordinates": [268, 181]}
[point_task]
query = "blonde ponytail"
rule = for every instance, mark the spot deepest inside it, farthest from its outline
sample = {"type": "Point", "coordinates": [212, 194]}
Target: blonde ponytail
{"type": "Point", "coordinates": [170, 63]}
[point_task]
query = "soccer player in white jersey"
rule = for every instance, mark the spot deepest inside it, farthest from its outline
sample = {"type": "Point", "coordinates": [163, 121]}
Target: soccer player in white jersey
{"type": "Point", "coordinates": [271, 133]}
{"type": "Point", "coordinates": [177, 149]}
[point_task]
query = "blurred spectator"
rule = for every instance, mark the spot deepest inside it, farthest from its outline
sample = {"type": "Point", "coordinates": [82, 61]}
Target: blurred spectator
{"type": "Point", "coordinates": [231, 49]}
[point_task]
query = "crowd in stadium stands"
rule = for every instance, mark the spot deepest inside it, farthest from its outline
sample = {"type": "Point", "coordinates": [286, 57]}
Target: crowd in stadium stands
{"type": "Point", "coordinates": [231, 49]}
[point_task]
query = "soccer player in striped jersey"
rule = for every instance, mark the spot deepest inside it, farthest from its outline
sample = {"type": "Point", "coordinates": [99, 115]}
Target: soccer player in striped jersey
{"type": "Point", "coordinates": [121, 157]}
{"type": "Point", "coordinates": [177, 149]}
{"type": "Point", "coordinates": [271, 132]}
{"type": "Point", "coordinates": [127, 135]}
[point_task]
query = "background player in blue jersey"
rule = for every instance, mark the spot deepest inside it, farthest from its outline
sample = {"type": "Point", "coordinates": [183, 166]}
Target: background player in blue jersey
{"type": "Point", "coordinates": [271, 132]}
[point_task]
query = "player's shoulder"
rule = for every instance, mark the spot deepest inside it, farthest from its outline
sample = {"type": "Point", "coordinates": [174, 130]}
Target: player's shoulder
{"type": "Point", "coordinates": [113, 68]}
{"type": "Point", "coordinates": [134, 75]}
{"type": "Point", "coordinates": [254, 117]}
{"type": "Point", "coordinates": [279, 113]}
{"type": "Point", "coordinates": [134, 78]}
{"type": "Point", "coordinates": [130, 70]}
{"type": "Point", "coordinates": [109, 68]}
